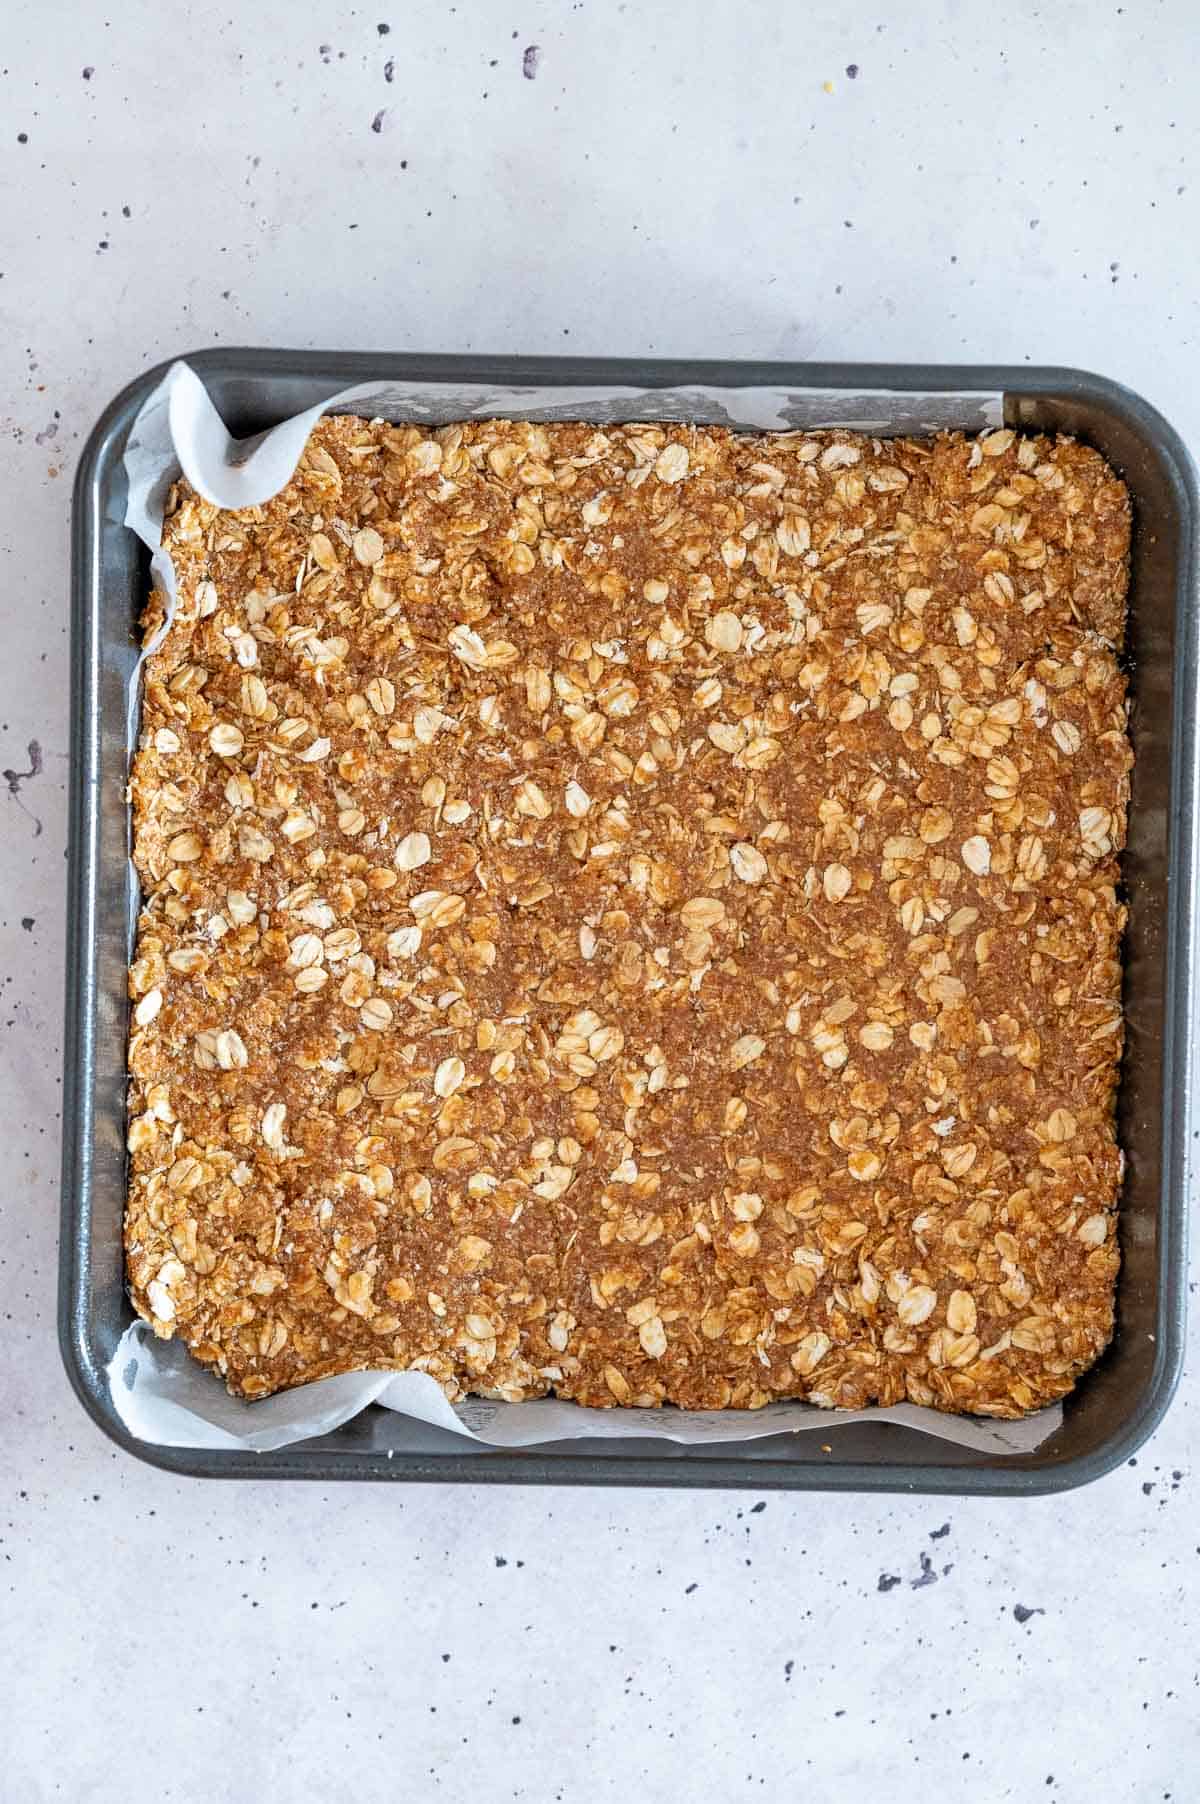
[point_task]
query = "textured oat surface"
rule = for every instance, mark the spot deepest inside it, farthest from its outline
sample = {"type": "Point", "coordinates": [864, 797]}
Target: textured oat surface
{"type": "Point", "coordinates": [633, 914]}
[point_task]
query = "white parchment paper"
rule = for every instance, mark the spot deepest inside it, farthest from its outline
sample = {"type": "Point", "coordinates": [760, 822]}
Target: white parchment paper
{"type": "Point", "coordinates": [159, 1391]}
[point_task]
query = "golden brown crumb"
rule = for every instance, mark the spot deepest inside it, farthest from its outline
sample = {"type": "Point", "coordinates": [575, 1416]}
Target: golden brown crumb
{"type": "Point", "coordinates": [633, 913]}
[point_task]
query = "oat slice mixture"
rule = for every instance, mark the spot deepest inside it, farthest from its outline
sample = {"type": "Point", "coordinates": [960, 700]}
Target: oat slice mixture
{"type": "Point", "coordinates": [633, 913]}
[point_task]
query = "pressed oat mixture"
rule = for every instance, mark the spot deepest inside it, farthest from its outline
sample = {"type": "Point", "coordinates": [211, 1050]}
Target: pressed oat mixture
{"type": "Point", "coordinates": [632, 913]}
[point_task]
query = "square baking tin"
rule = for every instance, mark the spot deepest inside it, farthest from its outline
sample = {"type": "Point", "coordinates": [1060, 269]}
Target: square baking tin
{"type": "Point", "coordinates": [1119, 1402]}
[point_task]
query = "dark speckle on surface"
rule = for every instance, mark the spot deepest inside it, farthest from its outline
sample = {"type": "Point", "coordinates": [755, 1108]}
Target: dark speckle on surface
{"type": "Point", "coordinates": [22, 137]}
{"type": "Point", "coordinates": [939, 1534]}
{"type": "Point", "coordinates": [1022, 1612]}
{"type": "Point", "coordinates": [377, 122]}
{"type": "Point", "coordinates": [888, 1581]}
{"type": "Point", "coordinates": [27, 922]}
{"type": "Point", "coordinates": [927, 1575]}
{"type": "Point", "coordinates": [389, 69]}
{"type": "Point", "coordinates": [530, 61]}
{"type": "Point", "coordinates": [852, 71]}
{"type": "Point", "coordinates": [15, 778]}
{"type": "Point", "coordinates": [88, 72]}
{"type": "Point", "coordinates": [383, 30]}
{"type": "Point", "coordinates": [500, 1560]}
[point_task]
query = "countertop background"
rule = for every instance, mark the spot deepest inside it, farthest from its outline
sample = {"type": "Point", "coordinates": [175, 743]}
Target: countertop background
{"type": "Point", "coordinates": [938, 181]}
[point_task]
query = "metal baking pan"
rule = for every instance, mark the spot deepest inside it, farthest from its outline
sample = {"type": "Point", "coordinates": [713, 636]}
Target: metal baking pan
{"type": "Point", "coordinates": [1122, 1399]}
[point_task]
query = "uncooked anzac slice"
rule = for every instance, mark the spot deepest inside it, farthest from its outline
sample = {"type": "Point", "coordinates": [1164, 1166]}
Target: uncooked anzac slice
{"type": "Point", "coordinates": [633, 914]}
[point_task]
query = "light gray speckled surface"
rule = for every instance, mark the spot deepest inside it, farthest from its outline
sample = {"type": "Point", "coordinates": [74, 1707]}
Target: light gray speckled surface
{"type": "Point", "coordinates": [1000, 183]}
